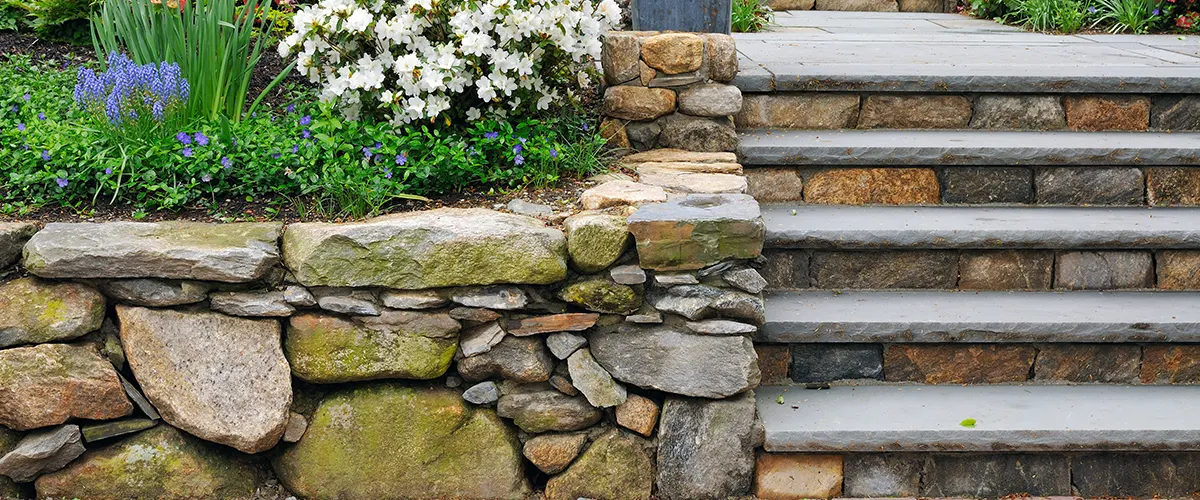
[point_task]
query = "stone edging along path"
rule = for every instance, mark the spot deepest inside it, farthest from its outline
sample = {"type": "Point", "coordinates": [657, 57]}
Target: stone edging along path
{"type": "Point", "coordinates": [447, 353]}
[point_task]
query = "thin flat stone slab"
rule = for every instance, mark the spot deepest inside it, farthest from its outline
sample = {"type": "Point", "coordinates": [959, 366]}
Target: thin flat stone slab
{"type": "Point", "coordinates": [874, 227]}
{"type": "Point", "coordinates": [174, 250]}
{"type": "Point", "coordinates": [937, 316]}
{"type": "Point", "coordinates": [966, 147]}
{"type": "Point", "coordinates": [1008, 418]}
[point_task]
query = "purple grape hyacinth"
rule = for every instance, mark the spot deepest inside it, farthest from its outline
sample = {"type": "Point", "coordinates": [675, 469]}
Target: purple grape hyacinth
{"type": "Point", "coordinates": [126, 90]}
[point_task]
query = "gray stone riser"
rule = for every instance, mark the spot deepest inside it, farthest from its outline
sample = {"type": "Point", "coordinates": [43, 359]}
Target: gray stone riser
{"type": "Point", "coordinates": [902, 364]}
{"type": "Point", "coordinates": [1131, 185]}
{"type": "Point", "coordinates": [983, 111]}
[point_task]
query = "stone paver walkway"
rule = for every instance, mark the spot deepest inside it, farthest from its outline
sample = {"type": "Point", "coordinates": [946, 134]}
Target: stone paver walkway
{"type": "Point", "coordinates": [824, 50]}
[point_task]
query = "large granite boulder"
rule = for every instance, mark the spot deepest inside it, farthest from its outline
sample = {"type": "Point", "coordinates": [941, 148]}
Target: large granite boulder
{"type": "Point", "coordinates": [33, 311]}
{"type": "Point", "coordinates": [398, 441]}
{"type": "Point", "coordinates": [48, 384]}
{"type": "Point", "coordinates": [697, 230]}
{"type": "Point", "coordinates": [615, 467]}
{"type": "Point", "coordinates": [328, 349]}
{"type": "Point", "coordinates": [159, 463]}
{"type": "Point", "coordinates": [175, 250]}
{"type": "Point", "coordinates": [220, 378]}
{"type": "Point", "coordinates": [13, 236]}
{"type": "Point", "coordinates": [706, 447]}
{"type": "Point", "coordinates": [435, 248]}
{"type": "Point", "coordinates": [670, 360]}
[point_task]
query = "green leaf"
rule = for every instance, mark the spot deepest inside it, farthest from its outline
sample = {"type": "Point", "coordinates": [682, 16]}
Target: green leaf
{"type": "Point", "coordinates": [970, 422]}
{"type": "Point", "coordinates": [779, 400]}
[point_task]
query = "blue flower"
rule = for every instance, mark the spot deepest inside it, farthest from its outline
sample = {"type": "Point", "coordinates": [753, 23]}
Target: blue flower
{"type": "Point", "coordinates": [519, 160]}
{"type": "Point", "coordinates": [201, 139]}
{"type": "Point", "coordinates": [42, 116]}
{"type": "Point", "coordinates": [183, 138]}
{"type": "Point", "coordinates": [491, 135]}
{"type": "Point", "coordinates": [206, 177]}
{"type": "Point", "coordinates": [585, 127]}
{"type": "Point", "coordinates": [522, 139]}
{"type": "Point", "coordinates": [402, 159]}
{"type": "Point", "coordinates": [517, 149]}
{"type": "Point", "coordinates": [276, 156]}
{"type": "Point", "coordinates": [291, 108]}
{"type": "Point", "coordinates": [305, 134]}
{"type": "Point", "coordinates": [15, 108]}
{"type": "Point", "coordinates": [553, 153]}
{"type": "Point", "coordinates": [367, 153]}
{"type": "Point", "coordinates": [305, 121]}
{"type": "Point", "coordinates": [62, 182]}
{"type": "Point", "coordinates": [226, 162]}
{"type": "Point", "coordinates": [27, 97]}
{"type": "Point", "coordinates": [1156, 12]}
{"type": "Point", "coordinates": [45, 155]}
{"type": "Point", "coordinates": [378, 145]}
{"type": "Point", "coordinates": [295, 148]}
{"type": "Point", "coordinates": [108, 171]}
{"type": "Point", "coordinates": [20, 127]}
{"type": "Point", "coordinates": [387, 173]}
{"type": "Point", "coordinates": [187, 151]}
{"type": "Point", "coordinates": [1092, 10]}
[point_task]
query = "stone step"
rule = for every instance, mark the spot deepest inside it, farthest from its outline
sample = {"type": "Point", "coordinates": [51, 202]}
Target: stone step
{"type": "Point", "coordinates": [987, 317]}
{"type": "Point", "coordinates": [1006, 418]}
{"type": "Point", "coordinates": [962, 227]}
{"type": "Point", "coordinates": [777, 147]}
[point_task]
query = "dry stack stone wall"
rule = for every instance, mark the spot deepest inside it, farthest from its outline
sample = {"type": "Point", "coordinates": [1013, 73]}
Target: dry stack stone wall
{"type": "Point", "coordinates": [453, 353]}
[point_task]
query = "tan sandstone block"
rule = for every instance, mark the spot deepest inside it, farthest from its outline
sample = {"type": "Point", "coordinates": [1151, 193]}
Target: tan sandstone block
{"type": "Point", "coordinates": [1006, 270]}
{"type": "Point", "coordinates": [798, 111]}
{"type": "Point", "coordinates": [638, 103]}
{"type": "Point", "coordinates": [1166, 186]}
{"type": "Point", "coordinates": [1092, 112]}
{"type": "Point", "coordinates": [722, 57]}
{"type": "Point", "coordinates": [1171, 364]}
{"type": "Point", "coordinates": [673, 53]}
{"type": "Point", "coordinates": [621, 193]}
{"type": "Point", "coordinates": [886, 186]}
{"type": "Point", "coordinates": [620, 58]}
{"type": "Point", "coordinates": [1178, 269]}
{"type": "Point", "coordinates": [771, 185]}
{"type": "Point", "coordinates": [788, 476]}
{"type": "Point", "coordinates": [958, 364]}
{"type": "Point", "coordinates": [915, 111]}
{"type": "Point", "coordinates": [638, 414]}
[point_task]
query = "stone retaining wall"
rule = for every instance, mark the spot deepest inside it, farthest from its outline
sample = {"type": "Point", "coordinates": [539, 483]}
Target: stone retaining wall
{"type": "Point", "coordinates": [441, 354]}
{"type": "Point", "coordinates": [1040, 185]}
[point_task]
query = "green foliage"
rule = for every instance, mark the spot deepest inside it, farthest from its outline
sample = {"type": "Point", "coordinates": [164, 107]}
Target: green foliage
{"type": "Point", "coordinates": [309, 156]}
{"type": "Point", "coordinates": [59, 20]}
{"type": "Point", "coordinates": [1134, 16]}
{"type": "Point", "coordinates": [751, 16]}
{"type": "Point", "coordinates": [1066, 16]}
{"type": "Point", "coordinates": [211, 40]}
{"type": "Point", "coordinates": [11, 17]}
{"type": "Point", "coordinates": [993, 9]}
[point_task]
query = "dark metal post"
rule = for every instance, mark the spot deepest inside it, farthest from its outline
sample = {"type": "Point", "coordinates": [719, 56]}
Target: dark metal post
{"type": "Point", "coordinates": [705, 16]}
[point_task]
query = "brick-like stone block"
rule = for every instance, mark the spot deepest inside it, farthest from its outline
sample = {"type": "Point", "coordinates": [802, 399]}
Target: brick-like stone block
{"type": "Point", "coordinates": [638, 103]}
{"type": "Point", "coordinates": [880, 186]}
{"type": "Point", "coordinates": [814, 110]}
{"type": "Point", "coordinates": [697, 134]}
{"type": "Point", "coordinates": [1178, 269]}
{"type": "Point", "coordinates": [987, 185]}
{"type": "Point", "coordinates": [1175, 113]}
{"type": "Point", "coordinates": [997, 475]}
{"type": "Point", "coordinates": [722, 57]}
{"type": "Point", "coordinates": [1166, 186]}
{"type": "Point", "coordinates": [1090, 186]}
{"type": "Point", "coordinates": [773, 362]}
{"type": "Point", "coordinates": [1097, 112]}
{"type": "Point", "coordinates": [915, 111]}
{"type": "Point", "coordinates": [620, 58]}
{"type": "Point", "coordinates": [830, 362]}
{"type": "Point", "coordinates": [1171, 364]}
{"type": "Point", "coordinates": [785, 269]}
{"type": "Point", "coordinates": [858, 5]}
{"type": "Point", "coordinates": [775, 184]}
{"type": "Point", "coordinates": [712, 99]}
{"type": "Point", "coordinates": [697, 230]}
{"type": "Point", "coordinates": [958, 364]}
{"type": "Point", "coordinates": [1145, 475]}
{"type": "Point", "coordinates": [1088, 363]}
{"type": "Point", "coordinates": [1104, 270]}
{"type": "Point", "coordinates": [1006, 270]}
{"type": "Point", "coordinates": [794, 476]}
{"type": "Point", "coordinates": [1019, 112]}
{"type": "Point", "coordinates": [887, 269]}
{"type": "Point", "coordinates": [870, 475]}
{"type": "Point", "coordinates": [673, 53]}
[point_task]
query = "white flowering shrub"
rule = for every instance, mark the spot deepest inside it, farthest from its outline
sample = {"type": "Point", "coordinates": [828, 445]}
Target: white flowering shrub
{"type": "Point", "coordinates": [417, 59]}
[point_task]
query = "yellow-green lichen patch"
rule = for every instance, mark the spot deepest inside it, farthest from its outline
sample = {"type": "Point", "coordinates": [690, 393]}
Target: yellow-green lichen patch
{"type": "Point", "coordinates": [596, 241]}
{"type": "Point", "coordinates": [329, 349]}
{"type": "Point", "coordinates": [33, 311]}
{"type": "Point", "coordinates": [601, 295]}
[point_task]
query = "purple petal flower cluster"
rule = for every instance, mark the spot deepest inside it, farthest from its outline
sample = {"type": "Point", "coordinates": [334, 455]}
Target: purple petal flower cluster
{"type": "Point", "coordinates": [126, 87]}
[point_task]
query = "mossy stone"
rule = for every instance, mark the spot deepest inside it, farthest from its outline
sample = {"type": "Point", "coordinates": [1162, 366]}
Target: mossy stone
{"type": "Point", "coordinates": [615, 467]}
{"type": "Point", "coordinates": [601, 295]}
{"type": "Point", "coordinates": [158, 463]}
{"type": "Point", "coordinates": [430, 249]}
{"type": "Point", "coordinates": [33, 311]}
{"type": "Point", "coordinates": [396, 440]}
{"type": "Point", "coordinates": [329, 349]}
{"type": "Point", "coordinates": [596, 241]}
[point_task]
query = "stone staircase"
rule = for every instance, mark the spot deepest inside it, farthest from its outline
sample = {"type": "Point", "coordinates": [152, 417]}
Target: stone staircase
{"type": "Point", "coordinates": [982, 281]}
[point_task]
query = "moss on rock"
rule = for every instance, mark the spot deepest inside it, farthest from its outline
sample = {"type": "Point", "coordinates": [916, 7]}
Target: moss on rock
{"type": "Point", "coordinates": [403, 441]}
{"type": "Point", "coordinates": [615, 467]}
{"type": "Point", "coordinates": [601, 295]}
{"type": "Point", "coordinates": [330, 349]}
{"type": "Point", "coordinates": [159, 463]}
{"type": "Point", "coordinates": [596, 241]}
{"type": "Point", "coordinates": [33, 311]}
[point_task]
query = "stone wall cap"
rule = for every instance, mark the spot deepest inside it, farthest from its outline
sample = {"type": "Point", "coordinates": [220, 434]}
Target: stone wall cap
{"type": "Point", "coordinates": [700, 207]}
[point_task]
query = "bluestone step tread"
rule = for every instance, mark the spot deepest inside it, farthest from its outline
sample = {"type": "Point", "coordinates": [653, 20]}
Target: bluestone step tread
{"type": "Point", "coordinates": [1007, 418]}
{"type": "Point", "coordinates": [965, 147]}
{"type": "Point", "coordinates": [945, 316]}
{"type": "Point", "coordinates": [947, 227]}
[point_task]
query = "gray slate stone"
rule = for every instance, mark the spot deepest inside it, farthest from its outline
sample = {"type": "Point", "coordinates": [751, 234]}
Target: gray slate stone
{"type": "Point", "coordinates": [1104, 270]}
{"type": "Point", "coordinates": [1025, 112]}
{"type": "Point", "coordinates": [1090, 186]}
{"type": "Point", "coordinates": [830, 362]}
{"type": "Point", "coordinates": [706, 448]}
{"type": "Point", "coordinates": [697, 302]}
{"type": "Point", "coordinates": [673, 279]}
{"type": "Point", "coordinates": [519, 359]}
{"type": "Point", "coordinates": [628, 274]}
{"type": "Point", "coordinates": [712, 99]}
{"type": "Point", "coordinates": [542, 411]}
{"type": "Point", "coordinates": [175, 250]}
{"type": "Point", "coordinates": [697, 134]}
{"type": "Point", "coordinates": [482, 393]}
{"type": "Point", "coordinates": [720, 327]}
{"type": "Point", "coordinates": [1175, 113]}
{"type": "Point", "coordinates": [871, 475]}
{"type": "Point", "coordinates": [669, 360]}
{"type": "Point", "coordinates": [13, 236]}
{"type": "Point", "coordinates": [347, 301]}
{"type": "Point", "coordinates": [747, 279]}
{"type": "Point", "coordinates": [643, 135]}
{"type": "Point", "coordinates": [259, 303]}
{"type": "Point", "coordinates": [645, 316]}
{"type": "Point", "coordinates": [996, 475]}
{"type": "Point", "coordinates": [299, 296]}
{"type": "Point", "coordinates": [527, 208]}
{"type": "Point", "coordinates": [593, 381]}
{"type": "Point", "coordinates": [500, 298]}
{"type": "Point", "coordinates": [785, 269]}
{"type": "Point", "coordinates": [563, 344]}
{"type": "Point", "coordinates": [417, 299]}
{"type": "Point", "coordinates": [977, 185]}
{"type": "Point", "coordinates": [296, 426]}
{"type": "Point", "coordinates": [1162, 475]}
{"type": "Point", "coordinates": [154, 292]}
{"type": "Point", "coordinates": [480, 339]}
{"type": "Point", "coordinates": [42, 452]}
